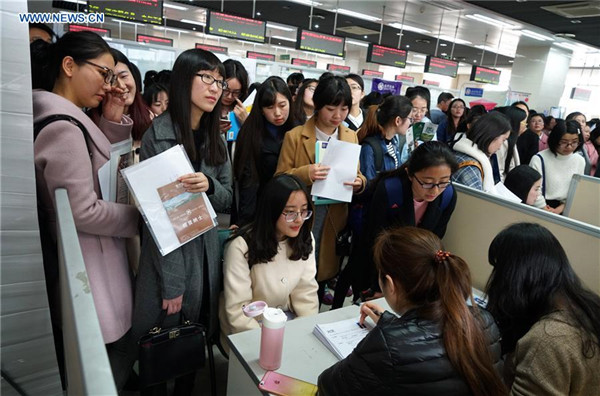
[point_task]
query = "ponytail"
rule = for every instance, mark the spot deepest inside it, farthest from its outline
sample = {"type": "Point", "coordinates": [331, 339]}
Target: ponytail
{"type": "Point", "coordinates": [380, 115]}
{"type": "Point", "coordinates": [370, 126]}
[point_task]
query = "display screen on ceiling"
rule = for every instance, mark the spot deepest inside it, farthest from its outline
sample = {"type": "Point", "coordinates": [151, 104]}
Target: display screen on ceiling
{"type": "Point", "coordinates": [144, 38]}
{"type": "Point", "coordinates": [260, 56]}
{"type": "Point", "coordinates": [235, 27]}
{"type": "Point", "coordinates": [320, 43]}
{"type": "Point", "coordinates": [146, 11]}
{"type": "Point", "coordinates": [386, 56]}
{"type": "Point", "coordinates": [215, 49]}
{"type": "Point", "coordinates": [97, 30]}
{"type": "Point", "coordinates": [442, 66]}
{"type": "Point", "coordinates": [485, 75]}
{"type": "Point", "coordinates": [303, 62]}
{"type": "Point", "coordinates": [338, 68]}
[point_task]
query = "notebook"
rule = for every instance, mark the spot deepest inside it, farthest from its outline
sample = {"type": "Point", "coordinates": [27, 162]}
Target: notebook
{"type": "Point", "coordinates": [342, 337]}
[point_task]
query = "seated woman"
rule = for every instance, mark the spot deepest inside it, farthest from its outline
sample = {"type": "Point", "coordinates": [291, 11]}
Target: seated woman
{"type": "Point", "coordinates": [473, 151]}
{"type": "Point", "coordinates": [438, 346]}
{"type": "Point", "coordinates": [550, 323]}
{"type": "Point", "coordinates": [525, 182]}
{"type": "Point", "coordinates": [271, 259]}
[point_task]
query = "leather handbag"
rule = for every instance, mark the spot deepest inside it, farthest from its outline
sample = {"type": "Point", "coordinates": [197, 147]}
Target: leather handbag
{"type": "Point", "coordinates": [169, 353]}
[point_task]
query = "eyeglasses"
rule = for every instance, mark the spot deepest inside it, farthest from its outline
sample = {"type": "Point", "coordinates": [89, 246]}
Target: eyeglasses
{"type": "Point", "coordinates": [311, 89]}
{"type": "Point", "coordinates": [355, 87]}
{"type": "Point", "coordinates": [458, 107]}
{"type": "Point", "coordinates": [208, 79]}
{"type": "Point", "coordinates": [292, 216]}
{"type": "Point", "coordinates": [235, 94]}
{"type": "Point", "coordinates": [109, 75]}
{"type": "Point", "coordinates": [419, 111]}
{"type": "Point", "coordinates": [564, 143]}
{"type": "Point", "coordinates": [429, 186]}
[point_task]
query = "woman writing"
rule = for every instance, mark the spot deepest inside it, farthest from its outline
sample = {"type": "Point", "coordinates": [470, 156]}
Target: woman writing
{"type": "Point", "coordinates": [438, 346]}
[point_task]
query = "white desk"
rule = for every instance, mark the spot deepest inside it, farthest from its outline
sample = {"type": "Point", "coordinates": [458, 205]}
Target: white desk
{"type": "Point", "coordinates": [304, 356]}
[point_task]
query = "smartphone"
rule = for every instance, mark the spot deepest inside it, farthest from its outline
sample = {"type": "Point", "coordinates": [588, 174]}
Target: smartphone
{"type": "Point", "coordinates": [282, 385]}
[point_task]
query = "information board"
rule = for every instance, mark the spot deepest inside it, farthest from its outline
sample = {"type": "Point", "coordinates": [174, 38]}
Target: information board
{"type": "Point", "coordinates": [260, 56]}
{"type": "Point", "coordinates": [215, 49]}
{"type": "Point", "coordinates": [431, 82]}
{"type": "Point", "coordinates": [372, 73]}
{"type": "Point", "coordinates": [145, 11]}
{"type": "Point", "coordinates": [338, 68]}
{"type": "Point", "coordinates": [442, 66]}
{"type": "Point", "coordinates": [304, 62]}
{"type": "Point", "coordinates": [581, 94]}
{"type": "Point", "coordinates": [81, 28]}
{"type": "Point", "coordinates": [320, 43]}
{"type": "Point", "coordinates": [400, 77]}
{"type": "Point", "coordinates": [235, 27]}
{"type": "Point", "coordinates": [485, 75]}
{"type": "Point", "coordinates": [143, 38]}
{"type": "Point", "coordinates": [386, 56]}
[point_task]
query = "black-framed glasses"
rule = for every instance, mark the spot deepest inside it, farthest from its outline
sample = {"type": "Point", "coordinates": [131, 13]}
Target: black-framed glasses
{"type": "Point", "coordinates": [109, 75]}
{"type": "Point", "coordinates": [291, 216]}
{"type": "Point", "coordinates": [429, 186]}
{"type": "Point", "coordinates": [208, 79]}
{"type": "Point", "coordinates": [565, 143]}
{"type": "Point", "coordinates": [235, 94]}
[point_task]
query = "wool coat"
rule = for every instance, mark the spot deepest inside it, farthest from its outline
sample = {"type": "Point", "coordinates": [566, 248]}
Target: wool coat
{"type": "Point", "coordinates": [62, 160]}
{"type": "Point", "coordinates": [183, 271]}
{"type": "Point", "coordinates": [297, 154]}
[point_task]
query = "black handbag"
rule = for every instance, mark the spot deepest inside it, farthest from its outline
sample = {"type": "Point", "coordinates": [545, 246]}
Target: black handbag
{"type": "Point", "coordinates": [169, 353]}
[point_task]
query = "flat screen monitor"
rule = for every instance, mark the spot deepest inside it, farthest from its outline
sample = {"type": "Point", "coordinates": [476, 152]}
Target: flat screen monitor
{"type": "Point", "coordinates": [145, 11]}
{"type": "Point", "coordinates": [260, 56]}
{"type": "Point", "coordinates": [386, 56]}
{"type": "Point", "coordinates": [431, 82]}
{"type": "Point", "coordinates": [144, 38]}
{"type": "Point", "coordinates": [304, 62]}
{"type": "Point", "coordinates": [82, 28]}
{"type": "Point", "coordinates": [235, 27]}
{"type": "Point", "coordinates": [320, 43]}
{"type": "Point", "coordinates": [215, 49]}
{"type": "Point", "coordinates": [338, 68]}
{"type": "Point", "coordinates": [442, 66]}
{"type": "Point", "coordinates": [400, 77]}
{"type": "Point", "coordinates": [485, 75]}
{"type": "Point", "coordinates": [372, 73]}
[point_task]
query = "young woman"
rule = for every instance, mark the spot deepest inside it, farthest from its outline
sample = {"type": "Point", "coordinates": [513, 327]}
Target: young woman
{"type": "Point", "coordinates": [236, 91]}
{"type": "Point", "coordinates": [528, 144]}
{"type": "Point", "coordinates": [378, 135]}
{"type": "Point", "coordinates": [525, 182]}
{"type": "Point", "coordinates": [187, 279]}
{"type": "Point", "coordinates": [587, 150]}
{"type": "Point", "coordinates": [420, 99]}
{"type": "Point", "coordinates": [507, 157]}
{"type": "Point", "coordinates": [455, 116]}
{"type": "Point", "coordinates": [156, 97]}
{"type": "Point", "coordinates": [474, 148]}
{"type": "Point", "coordinates": [438, 346]}
{"type": "Point", "coordinates": [559, 163]}
{"type": "Point", "coordinates": [79, 73]}
{"type": "Point", "coordinates": [332, 100]}
{"type": "Point", "coordinates": [258, 145]}
{"type": "Point", "coordinates": [550, 323]}
{"type": "Point", "coordinates": [304, 106]}
{"type": "Point", "coordinates": [356, 115]}
{"type": "Point", "coordinates": [549, 124]}
{"type": "Point", "coordinates": [272, 258]}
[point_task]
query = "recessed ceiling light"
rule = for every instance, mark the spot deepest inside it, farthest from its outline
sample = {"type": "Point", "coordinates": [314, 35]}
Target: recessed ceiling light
{"type": "Point", "coordinates": [575, 21]}
{"type": "Point", "coordinates": [258, 13]}
{"type": "Point", "coordinates": [407, 46]}
{"type": "Point", "coordinates": [444, 54]}
{"type": "Point", "coordinates": [511, 61]}
{"type": "Point", "coordinates": [316, 26]}
{"type": "Point", "coordinates": [443, 45]}
{"type": "Point", "coordinates": [365, 36]}
{"type": "Point", "coordinates": [474, 60]}
{"type": "Point", "coordinates": [356, 14]}
{"type": "Point", "coordinates": [409, 28]}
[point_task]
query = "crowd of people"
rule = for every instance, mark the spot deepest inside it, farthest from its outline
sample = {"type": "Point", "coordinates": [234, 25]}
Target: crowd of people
{"type": "Point", "coordinates": [284, 248]}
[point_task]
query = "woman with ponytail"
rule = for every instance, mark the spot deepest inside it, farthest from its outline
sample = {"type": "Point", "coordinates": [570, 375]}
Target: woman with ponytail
{"type": "Point", "coordinates": [378, 135]}
{"type": "Point", "coordinates": [438, 346]}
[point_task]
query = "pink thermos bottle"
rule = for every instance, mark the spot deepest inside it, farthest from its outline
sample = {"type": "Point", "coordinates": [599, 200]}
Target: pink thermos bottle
{"type": "Point", "coordinates": [271, 337]}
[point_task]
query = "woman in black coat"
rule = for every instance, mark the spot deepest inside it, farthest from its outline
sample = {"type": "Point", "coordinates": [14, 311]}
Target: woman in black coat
{"type": "Point", "coordinates": [439, 346]}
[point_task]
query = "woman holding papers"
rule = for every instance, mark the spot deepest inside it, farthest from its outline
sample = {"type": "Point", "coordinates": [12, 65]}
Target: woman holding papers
{"type": "Point", "coordinates": [187, 279]}
{"type": "Point", "coordinates": [272, 258]}
{"type": "Point", "coordinates": [79, 72]}
{"type": "Point", "coordinates": [550, 323]}
{"type": "Point", "coordinates": [332, 100]}
{"type": "Point", "coordinates": [438, 346]}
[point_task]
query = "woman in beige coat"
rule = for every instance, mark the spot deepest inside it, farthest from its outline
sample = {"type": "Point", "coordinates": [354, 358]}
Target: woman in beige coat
{"type": "Point", "coordinates": [332, 100]}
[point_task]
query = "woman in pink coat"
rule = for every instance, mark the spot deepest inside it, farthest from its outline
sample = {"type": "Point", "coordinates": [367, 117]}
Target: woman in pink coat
{"type": "Point", "coordinates": [79, 74]}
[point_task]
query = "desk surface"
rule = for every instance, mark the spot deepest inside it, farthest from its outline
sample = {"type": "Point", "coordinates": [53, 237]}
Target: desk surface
{"type": "Point", "coordinates": [304, 356]}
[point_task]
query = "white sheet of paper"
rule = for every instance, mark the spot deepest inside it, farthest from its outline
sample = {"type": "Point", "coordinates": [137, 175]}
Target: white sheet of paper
{"type": "Point", "coordinates": [501, 191]}
{"type": "Point", "coordinates": [104, 181]}
{"type": "Point", "coordinates": [143, 180]}
{"type": "Point", "coordinates": [342, 158]}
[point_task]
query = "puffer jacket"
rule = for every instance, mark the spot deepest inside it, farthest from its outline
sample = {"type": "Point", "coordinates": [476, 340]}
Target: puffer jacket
{"type": "Point", "coordinates": [403, 356]}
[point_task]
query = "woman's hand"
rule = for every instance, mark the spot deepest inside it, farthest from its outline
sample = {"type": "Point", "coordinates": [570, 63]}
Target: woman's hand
{"type": "Point", "coordinates": [194, 182]}
{"type": "Point", "coordinates": [240, 111]}
{"type": "Point", "coordinates": [172, 306]}
{"type": "Point", "coordinates": [318, 172]}
{"type": "Point", "coordinates": [224, 125]}
{"type": "Point", "coordinates": [558, 210]}
{"type": "Point", "coordinates": [113, 104]}
{"type": "Point", "coordinates": [371, 310]}
{"type": "Point", "coordinates": [356, 184]}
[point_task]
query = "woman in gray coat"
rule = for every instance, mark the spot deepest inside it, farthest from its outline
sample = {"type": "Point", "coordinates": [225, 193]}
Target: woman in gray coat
{"type": "Point", "coordinates": [187, 279]}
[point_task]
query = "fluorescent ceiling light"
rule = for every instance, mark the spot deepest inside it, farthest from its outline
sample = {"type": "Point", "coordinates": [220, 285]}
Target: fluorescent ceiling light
{"type": "Point", "coordinates": [77, 1]}
{"type": "Point", "coordinates": [535, 35]}
{"type": "Point", "coordinates": [283, 38]}
{"type": "Point", "coordinates": [356, 14]}
{"type": "Point", "coordinates": [307, 3]}
{"type": "Point", "coordinates": [455, 40]}
{"type": "Point", "coordinates": [360, 44]}
{"type": "Point", "coordinates": [409, 28]}
{"type": "Point", "coordinates": [279, 27]}
{"type": "Point", "coordinates": [490, 21]}
{"type": "Point", "coordinates": [127, 22]}
{"type": "Point", "coordinates": [175, 7]}
{"type": "Point", "coordinates": [418, 56]}
{"type": "Point", "coordinates": [414, 63]}
{"type": "Point", "coordinates": [193, 22]}
{"type": "Point", "coordinates": [567, 46]}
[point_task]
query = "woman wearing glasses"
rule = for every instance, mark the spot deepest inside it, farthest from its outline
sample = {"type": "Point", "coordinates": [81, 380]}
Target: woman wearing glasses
{"type": "Point", "coordinates": [233, 95]}
{"type": "Point", "coordinates": [455, 116]}
{"type": "Point", "coordinates": [304, 107]}
{"type": "Point", "coordinates": [271, 259]}
{"type": "Point", "coordinates": [78, 73]}
{"type": "Point", "coordinates": [558, 163]}
{"type": "Point", "coordinates": [187, 279]}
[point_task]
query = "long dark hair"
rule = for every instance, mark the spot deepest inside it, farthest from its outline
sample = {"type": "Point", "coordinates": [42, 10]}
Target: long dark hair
{"type": "Point", "coordinates": [487, 128]}
{"type": "Point", "coordinates": [251, 134]}
{"type": "Point", "coordinates": [438, 284]}
{"type": "Point", "coordinates": [151, 93]}
{"type": "Point", "coordinates": [235, 69]}
{"type": "Point", "coordinates": [379, 116]}
{"type": "Point", "coordinates": [260, 235]}
{"type": "Point", "coordinates": [46, 58]}
{"type": "Point", "coordinates": [562, 128]}
{"type": "Point", "coordinates": [186, 66]}
{"type": "Point", "coordinates": [515, 116]}
{"type": "Point", "coordinates": [299, 114]}
{"type": "Point", "coordinates": [520, 180]}
{"type": "Point", "coordinates": [532, 278]}
{"type": "Point", "coordinates": [451, 129]}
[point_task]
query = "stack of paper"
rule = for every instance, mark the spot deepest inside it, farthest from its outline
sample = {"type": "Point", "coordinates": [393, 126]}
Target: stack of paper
{"type": "Point", "coordinates": [342, 337]}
